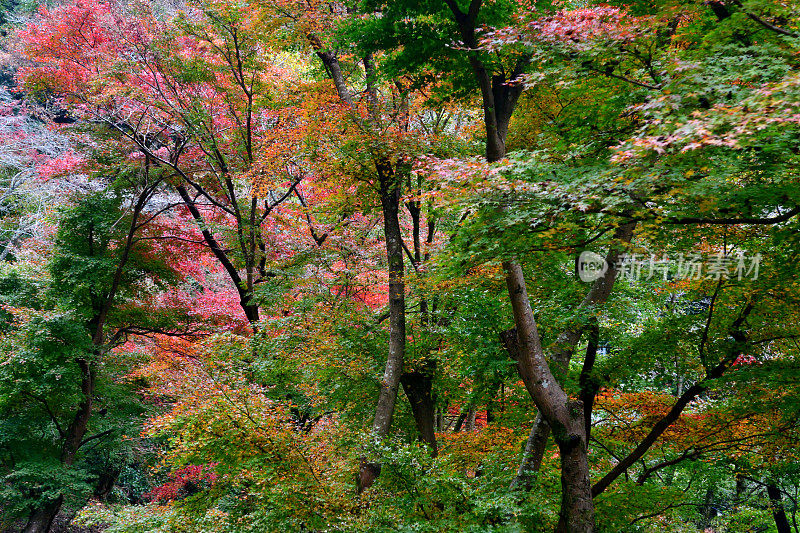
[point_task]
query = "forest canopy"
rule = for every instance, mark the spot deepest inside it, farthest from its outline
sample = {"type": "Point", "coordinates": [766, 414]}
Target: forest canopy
{"type": "Point", "coordinates": [468, 265]}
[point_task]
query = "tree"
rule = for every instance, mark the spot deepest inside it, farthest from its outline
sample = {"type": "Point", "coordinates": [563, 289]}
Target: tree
{"type": "Point", "coordinates": [203, 113]}
{"type": "Point", "coordinates": [393, 129]}
{"type": "Point", "coordinates": [30, 155]}
{"type": "Point", "coordinates": [100, 275]}
{"type": "Point", "coordinates": [568, 26]}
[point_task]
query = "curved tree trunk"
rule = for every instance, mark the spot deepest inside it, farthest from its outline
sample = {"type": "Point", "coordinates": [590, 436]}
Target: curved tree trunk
{"type": "Point", "coordinates": [564, 348]}
{"type": "Point", "coordinates": [565, 416]}
{"type": "Point", "coordinates": [533, 454]}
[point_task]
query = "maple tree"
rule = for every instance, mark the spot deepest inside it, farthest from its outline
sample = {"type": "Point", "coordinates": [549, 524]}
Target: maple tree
{"type": "Point", "coordinates": [203, 113]}
{"type": "Point", "coordinates": [99, 276]}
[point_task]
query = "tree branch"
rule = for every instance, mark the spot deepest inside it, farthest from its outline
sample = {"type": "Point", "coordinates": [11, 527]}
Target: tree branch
{"type": "Point", "coordinates": [675, 412]}
{"type": "Point", "coordinates": [733, 220]}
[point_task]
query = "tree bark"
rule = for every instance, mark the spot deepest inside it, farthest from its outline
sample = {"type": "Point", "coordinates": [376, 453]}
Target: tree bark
{"type": "Point", "coordinates": [330, 61]}
{"type": "Point", "coordinates": [470, 425]}
{"type": "Point", "coordinates": [500, 97]}
{"type": "Point", "coordinates": [565, 416]}
{"type": "Point", "coordinates": [390, 193]}
{"type": "Point", "coordinates": [707, 510]}
{"type": "Point", "coordinates": [77, 428]}
{"type": "Point", "coordinates": [778, 512]}
{"type": "Point", "coordinates": [368, 472]}
{"type": "Point", "coordinates": [577, 508]}
{"type": "Point", "coordinates": [418, 387]}
{"type": "Point", "coordinates": [533, 455]}
{"type": "Point", "coordinates": [418, 383]}
{"type": "Point", "coordinates": [499, 94]}
{"type": "Point", "coordinates": [588, 383]}
{"type": "Point", "coordinates": [564, 348]}
{"type": "Point", "coordinates": [390, 203]}
{"type": "Point", "coordinates": [41, 519]}
{"type": "Point", "coordinates": [462, 417]}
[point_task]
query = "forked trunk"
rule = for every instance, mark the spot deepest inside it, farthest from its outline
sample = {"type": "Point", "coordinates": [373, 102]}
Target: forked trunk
{"type": "Point", "coordinates": [564, 348]}
{"type": "Point", "coordinates": [565, 416]}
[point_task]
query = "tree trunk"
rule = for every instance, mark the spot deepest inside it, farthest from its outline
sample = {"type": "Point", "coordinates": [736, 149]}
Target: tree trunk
{"type": "Point", "coordinates": [499, 94]}
{"type": "Point", "coordinates": [533, 454]}
{"type": "Point", "coordinates": [778, 512]}
{"type": "Point", "coordinates": [390, 189]}
{"type": "Point", "coordinates": [708, 511]}
{"type": "Point", "coordinates": [390, 202]}
{"type": "Point", "coordinates": [564, 416]}
{"type": "Point", "coordinates": [42, 518]}
{"type": "Point", "coordinates": [462, 417]}
{"type": "Point", "coordinates": [368, 472]}
{"type": "Point", "coordinates": [250, 310]}
{"type": "Point", "coordinates": [418, 387]}
{"type": "Point", "coordinates": [540, 431]}
{"type": "Point", "coordinates": [740, 485]}
{"type": "Point", "coordinates": [105, 483]}
{"type": "Point", "coordinates": [577, 508]}
{"type": "Point", "coordinates": [470, 426]}
{"type": "Point", "coordinates": [77, 429]}
{"type": "Point", "coordinates": [494, 390]}
{"type": "Point", "coordinates": [418, 383]}
{"type": "Point", "coordinates": [564, 348]}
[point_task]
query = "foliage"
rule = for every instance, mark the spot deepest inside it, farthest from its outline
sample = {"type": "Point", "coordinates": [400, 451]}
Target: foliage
{"type": "Point", "coordinates": [230, 229]}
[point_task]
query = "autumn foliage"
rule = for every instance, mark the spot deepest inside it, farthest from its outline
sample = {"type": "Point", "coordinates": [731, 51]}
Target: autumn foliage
{"type": "Point", "coordinates": [313, 266]}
